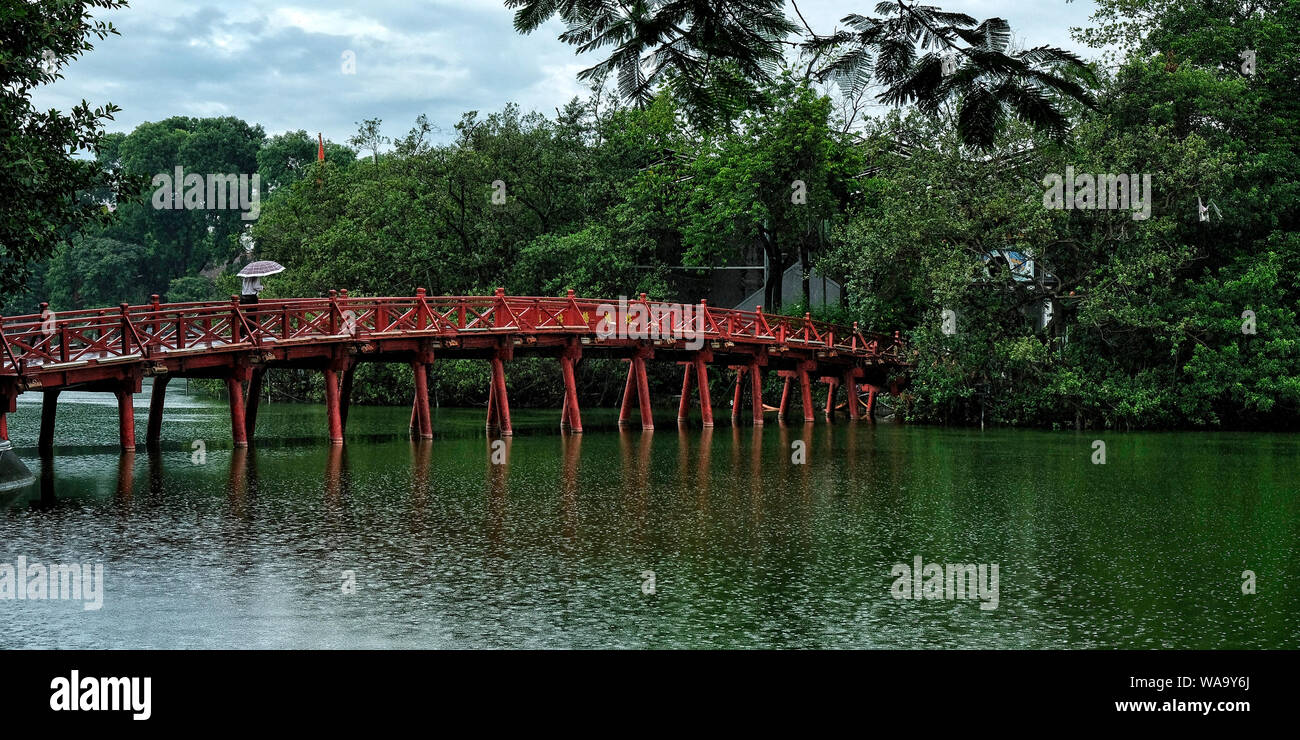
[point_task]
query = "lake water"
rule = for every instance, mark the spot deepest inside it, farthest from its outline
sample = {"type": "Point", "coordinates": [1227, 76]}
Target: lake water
{"type": "Point", "coordinates": [390, 543]}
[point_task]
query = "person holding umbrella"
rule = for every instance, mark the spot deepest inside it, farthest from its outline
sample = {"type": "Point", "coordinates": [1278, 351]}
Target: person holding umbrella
{"type": "Point", "coordinates": [252, 274]}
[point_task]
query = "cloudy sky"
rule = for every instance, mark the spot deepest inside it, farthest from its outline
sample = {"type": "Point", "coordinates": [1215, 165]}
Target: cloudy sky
{"type": "Point", "coordinates": [281, 63]}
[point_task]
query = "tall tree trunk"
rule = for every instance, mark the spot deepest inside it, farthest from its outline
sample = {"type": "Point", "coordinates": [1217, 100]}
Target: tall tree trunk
{"type": "Point", "coordinates": [775, 272]}
{"type": "Point", "coordinates": [803, 266]}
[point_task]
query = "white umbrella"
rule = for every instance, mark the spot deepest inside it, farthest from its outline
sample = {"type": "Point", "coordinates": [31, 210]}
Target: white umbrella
{"type": "Point", "coordinates": [261, 269]}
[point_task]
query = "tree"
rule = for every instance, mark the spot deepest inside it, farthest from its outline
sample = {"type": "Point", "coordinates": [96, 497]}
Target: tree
{"type": "Point", "coordinates": [45, 188]}
{"type": "Point", "coordinates": [183, 241]}
{"type": "Point", "coordinates": [963, 61]}
{"type": "Point", "coordinates": [780, 180]}
{"type": "Point", "coordinates": [90, 272]}
{"type": "Point", "coordinates": [682, 43]}
{"type": "Point", "coordinates": [368, 137]}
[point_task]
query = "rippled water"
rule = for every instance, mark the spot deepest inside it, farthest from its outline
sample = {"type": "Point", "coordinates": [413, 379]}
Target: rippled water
{"type": "Point", "coordinates": [552, 549]}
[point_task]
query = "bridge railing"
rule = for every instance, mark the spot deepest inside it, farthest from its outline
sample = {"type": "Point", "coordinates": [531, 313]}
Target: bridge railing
{"type": "Point", "coordinates": [144, 331]}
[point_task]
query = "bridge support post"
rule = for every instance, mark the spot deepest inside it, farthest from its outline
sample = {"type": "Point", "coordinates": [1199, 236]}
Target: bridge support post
{"type": "Point", "coordinates": [756, 393]}
{"type": "Point", "coordinates": [684, 406]}
{"type": "Point", "coordinates": [345, 394]}
{"type": "Point", "coordinates": [252, 401]}
{"type": "Point", "coordinates": [335, 420]}
{"type": "Point", "coordinates": [643, 393]}
{"type": "Point", "coordinates": [805, 395]}
{"type": "Point", "coordinates": [500, 396]}
{"type": "Point", "coordinates": [572, 417]}
{"type": "Point", "coordinates": [831, 384]}
{"type": "Point", "coordinates": [871, 402]}
{"type": "Point", "coordinates": [8, 404]}
{"type": "Point", "coordinates": [736, 396]}
{"type": "Point", "coordinates": [702, 382]}
{"type": "Point", "coordinates": [625, 408]}
{"type": "Point", "coordinates": [238, 425]}
{"type": "Point", "coordinates": [49, 409]}
{"type": "Point", "coordinates": [421, 422]}
{"type": "Point", "coordinates": [851, 393]}
{"type": "Point", "coordinates": [157, 397]}
{"type": "Point", "coordinates": [125, 417]}
{"type": "Point", "coordinates": [785, 399]}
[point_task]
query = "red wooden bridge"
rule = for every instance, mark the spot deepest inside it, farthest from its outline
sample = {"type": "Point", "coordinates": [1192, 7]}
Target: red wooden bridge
{"type": "Point", "coordinates": [113, 350]}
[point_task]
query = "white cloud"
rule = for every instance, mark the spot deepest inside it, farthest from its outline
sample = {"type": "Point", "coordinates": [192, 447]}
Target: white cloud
{"type": "Point", "coordinates": [279, 64]}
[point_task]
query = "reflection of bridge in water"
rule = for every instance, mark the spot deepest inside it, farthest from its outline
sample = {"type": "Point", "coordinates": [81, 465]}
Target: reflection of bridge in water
{"type": "Point", "coordinates": [139, 479]}
{"type": "Point", "coordinates": [112, 350]}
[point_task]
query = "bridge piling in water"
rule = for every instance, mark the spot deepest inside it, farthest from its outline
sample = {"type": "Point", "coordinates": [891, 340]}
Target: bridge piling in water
{"type": "Point", "coordinates": [49, 409]}
{"type": "Point", "coordinates": [737, 395]}
{"type": "Point", "coordinates": [851, 394]}
{"type": "Point", "coordinates": [831, 383]}
{"type": "Point", "coordinates": [756, 392]}
{"type": "Point", "coordinates": [629, 387]}
{"type": "Point", "coordinates": [702, 383]}
{"type": "Point", "coordinates": [125, 417]}
{"type": "Point", "coordinates": [333, 414]}
{"type": "Point", "coordinates": [499, 405]}
{"type": "Point", "coordinates": [571, 417]}
{"type": "Point", "coordinates": [785, 396]}
{"type": "Point", "coordinates": [252, 400]}
{"type": "Point", "coordinates": [805, 393]}
{"type": "Point", "coordinates": [643, 393]}
{"type": "Point", "coordinates": [421, 423]}
{"type": "Point", "coordinates": [238, 423]}
{"type": "Point", "coordinates": [153, 428]}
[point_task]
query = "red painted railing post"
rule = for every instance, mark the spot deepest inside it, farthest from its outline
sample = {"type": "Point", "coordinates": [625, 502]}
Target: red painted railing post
{"type": "Point", "coordinates": [354, 329]}
{"type": "Point", "coordinates": [155, 326]}
{"type": "Point", "coordinates": [234, 319]}
{"type": "Point", "coordinates": [334, 312]}
{"type": "Point", "coordinates": [420, 307]}
{"type": "Point", "coordinates": [575, 314]}
{"type": "Point", "coordinates": [126, 328]}
{"type": "Point", "coordinates": [499, 311]}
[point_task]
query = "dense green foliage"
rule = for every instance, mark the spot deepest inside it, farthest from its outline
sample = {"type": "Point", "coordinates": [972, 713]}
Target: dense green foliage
{"type": "Point", "coordinates": [1149, 327]}
{"type": "Point", "coordinates": [1183, 318]}
{"type": "Point", "coordinates": [46, 190]}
